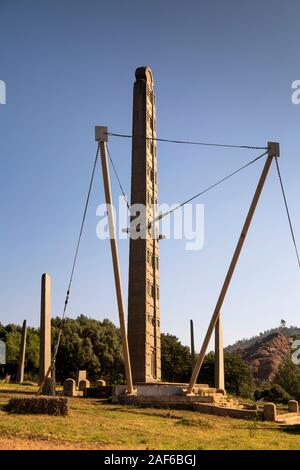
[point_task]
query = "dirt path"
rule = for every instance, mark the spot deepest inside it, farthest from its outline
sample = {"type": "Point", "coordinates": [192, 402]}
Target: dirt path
{"type": "Point", "coordinates": [11, 443]}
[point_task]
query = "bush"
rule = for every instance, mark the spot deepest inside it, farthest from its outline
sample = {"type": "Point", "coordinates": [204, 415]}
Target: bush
{"type": "Point", "coordinates": [246, 390]}
{"type": "Point", "coordinates": [288, 377]}
{"type": "Point", "coordinates": [176, 361]}
{"type": "Point", "coordinates": [89, 345]}
{"type": "Point", "coordinates": [85, 344]}
{"type": "Point", "coordinates": [238, 379]}
{"type": "Point", "coordinates": [275, 394]}
{"type": "Point", "coordinates": [54, 406]}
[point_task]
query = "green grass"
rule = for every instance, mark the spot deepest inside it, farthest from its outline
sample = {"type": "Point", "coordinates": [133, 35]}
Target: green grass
{"type": "Point", "coordinates": [98, 424]}
{"type": "Point", "coordinates": [10, 387]}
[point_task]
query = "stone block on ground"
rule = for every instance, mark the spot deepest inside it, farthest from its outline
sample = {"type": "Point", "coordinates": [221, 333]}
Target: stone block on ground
{"type": "Point", "coordinates": [69, 388]}
{"type": "Point", "coordinates": [54, 406]}
{"type": "Point", "coordinates": [100, 383]}
{"type": "Point", "coordinates": [84, 384]}
{"type": "Point", "coordinates": [269, 412]}
{"type": "Point", "coordinates": [293, 406]}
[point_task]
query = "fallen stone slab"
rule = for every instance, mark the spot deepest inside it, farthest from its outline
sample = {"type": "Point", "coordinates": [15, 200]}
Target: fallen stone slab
{"type": "Point", "coordinates": [238, 413]}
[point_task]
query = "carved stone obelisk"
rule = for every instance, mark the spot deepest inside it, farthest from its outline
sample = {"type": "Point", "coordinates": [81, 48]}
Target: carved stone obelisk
{"type": "Point", "coordinates": [219, 357]}
{"type": "Point", "coordinates": [21, 364]}
{"type": "Point", "coordinates": [45, 326]}
{"type": "Point", "coordinates": [143, 294]}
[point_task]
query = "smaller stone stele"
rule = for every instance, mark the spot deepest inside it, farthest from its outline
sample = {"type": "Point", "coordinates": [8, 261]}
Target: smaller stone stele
{"type": "Point", "coordinates": [81, 375]}
{"type": "Point", "coordinates": [2, 352]}
{"type": "Point", "coordinates": [293, 406]}
{"type": "Point", "coordinates": [269, 412]}
{"type": "Point", "coordinates": [84, 384]}
{"type": "Point", "coordinates": [69, 388]}
{"type": "Point", "coordinates": [100, 383]}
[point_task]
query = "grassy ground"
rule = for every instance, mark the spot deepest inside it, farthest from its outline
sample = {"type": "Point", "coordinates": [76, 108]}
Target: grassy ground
{"type": "Point", "coordinates": [94, 424]}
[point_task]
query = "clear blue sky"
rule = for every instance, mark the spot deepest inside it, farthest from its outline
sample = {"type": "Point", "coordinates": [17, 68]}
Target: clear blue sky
{"type": "Point", "coordinates": [223, 72]}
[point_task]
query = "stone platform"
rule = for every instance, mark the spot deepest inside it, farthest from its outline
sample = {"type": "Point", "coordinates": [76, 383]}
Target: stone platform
{"type": "Point", "coordinates": [164, 389]}
{"type": "Point", "coordinates": [171, 395]}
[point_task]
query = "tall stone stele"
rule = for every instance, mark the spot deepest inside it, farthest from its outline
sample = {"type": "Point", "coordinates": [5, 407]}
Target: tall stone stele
{"type": "Point", "coordinates": [21, 364]}
{"type": "Point", "coordinates": [45, 326]}
{"type": "Point", "coordinates": [143, 293]}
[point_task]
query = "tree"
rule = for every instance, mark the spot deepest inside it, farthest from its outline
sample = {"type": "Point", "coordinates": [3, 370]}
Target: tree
{"type": "Point", "coordinates": [288, 376]}
{"type": "Point", "coordinates": [32, 356]}
{"type": "Point", "coordinates": [282, 323]}
{"type": "Point", "coordinates": [176, 361]}
{"type": "Point", "coordinates": [2, 332]}
{"type": "Point", "coordinates": [237, 376]}
{"type": "Point", "coordinates": [274, 393]}
{"type": "Point", "coordinates": [91, 345]}
{"type": "Point", "coordinates": [12, 338]}
{"type": "Point", "coordinates": [85, 344]}
{"type": "Point", "coordinates": [13, 342]}
{"type": "Point", "coordinates": [207, 371]}
{"type": "Point", "coordinates": [238, 379]}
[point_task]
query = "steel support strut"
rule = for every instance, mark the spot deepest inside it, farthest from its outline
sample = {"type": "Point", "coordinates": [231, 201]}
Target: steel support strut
{"type": "Point", "coordinates": [273, 151]}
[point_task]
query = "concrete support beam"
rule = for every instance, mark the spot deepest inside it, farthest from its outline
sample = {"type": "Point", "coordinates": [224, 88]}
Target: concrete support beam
{"type": "Point", "coordinates": [45, 326]}
{"type": "Point", "coordinates": [272, 152]}
{"type": "Point", "coordinates": [192, 343]}
{"type": "Point", "coordinates": [116, 267]}
{"type": "Point", "coordinates": [219, 357]}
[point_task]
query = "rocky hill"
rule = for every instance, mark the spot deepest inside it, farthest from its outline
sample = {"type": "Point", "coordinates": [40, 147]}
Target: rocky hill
{"type": "Point", "coordinates": [289, 331]}
{"type": "Point", "coordinates": [265, 355]}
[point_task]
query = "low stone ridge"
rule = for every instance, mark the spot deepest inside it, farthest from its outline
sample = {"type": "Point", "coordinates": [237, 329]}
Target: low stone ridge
{"type": "Point", "coordinates": [266, 356]}
{"type": "Point", "coordinates": [54, 406]}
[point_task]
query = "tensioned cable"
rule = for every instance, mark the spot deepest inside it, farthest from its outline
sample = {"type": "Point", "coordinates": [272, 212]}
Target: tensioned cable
{"type": "Point", "coordinates": [76, 251]}
{"type": "Point", "coordinates": [52, 366]}
{"type": "Point", "coordinates": [188, 142]}
{"type": "Point", "coordinates": [118, 179]}
{"type": "Point", "coordinates": [159, 217]}
{"type": "Point", "coordinates": [287, 211]}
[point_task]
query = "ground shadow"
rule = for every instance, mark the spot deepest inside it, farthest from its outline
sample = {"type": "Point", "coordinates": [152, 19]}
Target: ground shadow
{"type": "Point", "coordinates": [291, 429]}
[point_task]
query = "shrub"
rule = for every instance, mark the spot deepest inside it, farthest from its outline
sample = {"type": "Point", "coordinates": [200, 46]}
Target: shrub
{"type": "Point", "coordinates": [275, 394]}
{"type": "Point", "coordinates": [237, 374]}
{"type": "Point", "coordinates": [288, 376]}
{"type": "Point", "coordinates": [176, 361]}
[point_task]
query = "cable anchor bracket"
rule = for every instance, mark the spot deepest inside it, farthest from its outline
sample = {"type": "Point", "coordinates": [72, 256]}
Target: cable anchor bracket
{"type": "Point", "coordinates": [101, 134]}
{"type": "Point", "coordinates": [273, 149]}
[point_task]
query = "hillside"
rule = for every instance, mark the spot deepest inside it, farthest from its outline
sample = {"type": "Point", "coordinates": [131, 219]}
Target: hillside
{"type": "Point", "coordinates": [265, 355]}
{"type": "Point", "coordinates": [289, 332]}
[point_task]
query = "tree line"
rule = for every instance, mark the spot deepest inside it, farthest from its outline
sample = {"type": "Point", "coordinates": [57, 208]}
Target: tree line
{"type": "Point", "coordinates": [96, 347]}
